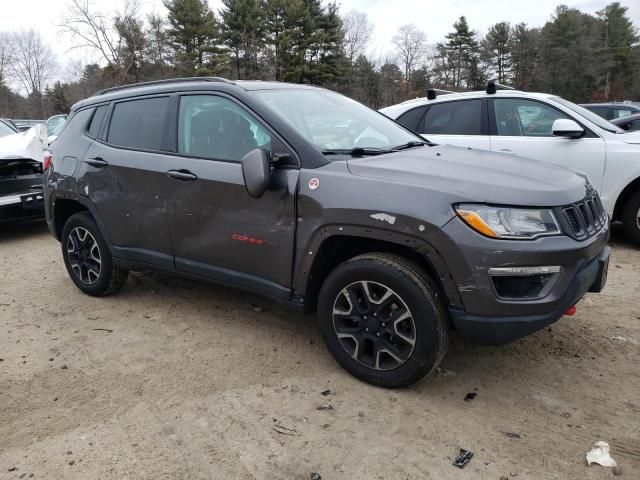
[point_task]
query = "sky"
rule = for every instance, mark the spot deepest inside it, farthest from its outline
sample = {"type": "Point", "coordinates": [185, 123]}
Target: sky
{"type": "Point", "coordinates": [434, 17]}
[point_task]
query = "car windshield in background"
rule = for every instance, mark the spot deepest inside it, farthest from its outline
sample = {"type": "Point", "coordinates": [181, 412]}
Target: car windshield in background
{"type": "Point", "coordinates": [592, 117]}
{"type": "Point", "coordinates": [336, 124]}
{"type": "Point", "coordinates": [5, 130]}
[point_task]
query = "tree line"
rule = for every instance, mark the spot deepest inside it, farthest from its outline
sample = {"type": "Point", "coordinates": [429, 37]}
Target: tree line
{"type": "Point", "coordinates": [579, 56]}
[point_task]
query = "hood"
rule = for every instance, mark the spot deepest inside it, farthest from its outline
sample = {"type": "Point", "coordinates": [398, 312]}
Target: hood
{"type": "Point", "coordinates": [631, 137]}
{"type": "Point", "coordinates": [27, 144]}
{"type": "Point", "coordinates": [470, 175]}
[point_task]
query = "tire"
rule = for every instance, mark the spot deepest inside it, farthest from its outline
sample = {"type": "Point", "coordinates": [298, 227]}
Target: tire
{"type": "Point", "coordinates": [367, 329]}
{"type": "Point", "coordinates": [87, 257]}
{"type": "Point", "coordinates": [631, 218]}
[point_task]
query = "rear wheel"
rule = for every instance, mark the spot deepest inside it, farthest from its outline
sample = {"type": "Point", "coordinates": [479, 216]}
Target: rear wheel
{"type": "Point", "coordinates": [631, 217]}
{"type": "Point", "coordinates": [87, 257]}
{"type": "Point", "coordinates": [383, 320]}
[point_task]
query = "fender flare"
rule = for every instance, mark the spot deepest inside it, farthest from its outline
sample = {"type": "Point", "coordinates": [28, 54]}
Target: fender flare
{"type": "Point", "coordinates": [420, 245]}
{"type": "Point", "coordinates": [90, 206]}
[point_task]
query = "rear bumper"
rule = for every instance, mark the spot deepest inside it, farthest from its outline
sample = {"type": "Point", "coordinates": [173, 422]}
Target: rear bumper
{"type": "Point", "coordinates": [22, 205]}
{"type": "Point", "coordinates": [491, 330]}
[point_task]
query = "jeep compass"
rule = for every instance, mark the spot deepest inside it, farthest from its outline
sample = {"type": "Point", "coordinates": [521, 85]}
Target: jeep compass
{"type": "Point", "coordinates": [314, 200]}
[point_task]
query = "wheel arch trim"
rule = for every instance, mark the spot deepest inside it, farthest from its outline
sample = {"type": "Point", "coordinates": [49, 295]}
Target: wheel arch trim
{"type": "Point", "coordinates": [308, 258]}
{"type": "Point", "coordinates": [90, 206]}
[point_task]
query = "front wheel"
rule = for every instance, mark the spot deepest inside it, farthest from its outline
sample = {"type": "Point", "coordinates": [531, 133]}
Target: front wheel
{"type": "Point", "coordinates": [383, 320]}
{"type": "Point", "coordinates": [631, 218]}
{"type": "Point", "coordinates": [88, 259]}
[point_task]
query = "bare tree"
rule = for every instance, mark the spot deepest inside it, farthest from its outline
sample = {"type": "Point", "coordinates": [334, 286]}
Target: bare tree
{"type": "Point", "coordinates": [358, 31]}
{"type": "Point", "coordinates": [92, 29]}
{"type": "Point", "coordinates": [5, 55]}
{"type": "Point", "coordinates": [410, 43]}
{"type": "Point", "coordinates": [32, 64]}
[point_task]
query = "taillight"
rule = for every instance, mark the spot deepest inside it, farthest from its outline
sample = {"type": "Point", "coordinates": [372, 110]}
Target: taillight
{"type": "Point", "coordinates": [47, 160]}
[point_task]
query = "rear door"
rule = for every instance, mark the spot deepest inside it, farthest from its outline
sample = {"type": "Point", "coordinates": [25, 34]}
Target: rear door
{"type": "Point", "coordinates": [217, 229]}
{"type": "Point", "coordinates": [125, 177]}
{"type": "Point", "coordinates": [463, 123]}
{"type": "Point", "coordinates": [524, 127]}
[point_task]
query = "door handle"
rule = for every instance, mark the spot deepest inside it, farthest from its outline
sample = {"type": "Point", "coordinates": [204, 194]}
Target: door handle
{"type": "Point", "coordinates": [98, 162]}
{"type": "Point", "coordinates": [182, 175]}
{"type": "Point", "coordinates": [505, 150]}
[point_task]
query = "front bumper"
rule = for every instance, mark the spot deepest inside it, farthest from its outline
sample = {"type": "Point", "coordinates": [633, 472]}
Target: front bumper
{"type": "Point", "coordinates": [22, 205]}
{"type": "Point", "coordinates": [488, 319]}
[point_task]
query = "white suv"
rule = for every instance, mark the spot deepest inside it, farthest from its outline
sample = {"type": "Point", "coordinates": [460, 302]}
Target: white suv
{"type": "Point", "coordinates": [539, 126]}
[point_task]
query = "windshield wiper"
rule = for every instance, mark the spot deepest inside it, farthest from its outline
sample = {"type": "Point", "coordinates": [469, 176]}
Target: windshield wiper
{"type": "Point", "coordinates": [411, 144]}
{"type": "Point", "coordinates": [356, 151]}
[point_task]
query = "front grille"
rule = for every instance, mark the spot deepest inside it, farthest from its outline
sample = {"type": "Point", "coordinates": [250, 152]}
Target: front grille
{"type": "Point", "coordinates": [585, 218]}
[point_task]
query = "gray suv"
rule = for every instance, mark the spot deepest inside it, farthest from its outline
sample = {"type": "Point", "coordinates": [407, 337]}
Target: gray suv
{"type": "Point", "coordinates": [316, 201]}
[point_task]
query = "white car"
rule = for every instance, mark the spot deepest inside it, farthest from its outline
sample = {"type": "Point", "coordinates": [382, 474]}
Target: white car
{"type": "Point", "coordinates": [539, 126]}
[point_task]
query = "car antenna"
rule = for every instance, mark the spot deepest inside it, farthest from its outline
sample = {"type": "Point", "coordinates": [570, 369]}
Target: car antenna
{"type": "Point", "coordinates": [493, 87]}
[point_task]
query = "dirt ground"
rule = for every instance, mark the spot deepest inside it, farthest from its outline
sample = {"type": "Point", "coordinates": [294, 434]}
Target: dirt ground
{"type": "Point", "coordinates": [171, 379]}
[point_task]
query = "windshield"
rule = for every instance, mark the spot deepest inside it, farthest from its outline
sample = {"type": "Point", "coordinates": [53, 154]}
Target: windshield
{"type": "Point", "coordinates": [333, 122]}
{"type": "Point", "coordinates": [5, 130]}
{"type": "Point", "coordinates": [55, 125]}
{"type": "Point", "coordinates": [592, 117]}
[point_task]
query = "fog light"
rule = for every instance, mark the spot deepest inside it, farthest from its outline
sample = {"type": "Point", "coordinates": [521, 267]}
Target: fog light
{"type": "Point", "coordinates": [524, 283]}
{"type": "Point", "coordinates": [571, 311]}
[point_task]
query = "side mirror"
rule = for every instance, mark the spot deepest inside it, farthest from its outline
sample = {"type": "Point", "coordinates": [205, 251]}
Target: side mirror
{"type": "Point", "coordinates": [256, 171]}
{"type": "Point", "coordinates": [563, 127]}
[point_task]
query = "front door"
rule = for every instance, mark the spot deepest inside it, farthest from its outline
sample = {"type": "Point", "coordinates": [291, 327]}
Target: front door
{"type": "Point", "coordinates": [524, 127]}
{"type": "Point", "coordinates": [217, 229]}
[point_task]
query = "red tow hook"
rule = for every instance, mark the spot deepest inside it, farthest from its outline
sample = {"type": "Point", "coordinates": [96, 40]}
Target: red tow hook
{"type": "Point", "coordinates": [570, 311]}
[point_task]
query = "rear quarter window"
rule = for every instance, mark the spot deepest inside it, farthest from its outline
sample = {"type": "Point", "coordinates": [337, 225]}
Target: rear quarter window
{"type": "Point", "coordinates": [96, 121]}
{"type": "Point", "coordinates": [138, 123]}
{"type": "Point", "coordinates": [413, 119]}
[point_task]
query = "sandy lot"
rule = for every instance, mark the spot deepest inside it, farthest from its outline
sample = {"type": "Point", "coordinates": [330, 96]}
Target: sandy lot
{"type": "Point", "coordinates": [174, 379]}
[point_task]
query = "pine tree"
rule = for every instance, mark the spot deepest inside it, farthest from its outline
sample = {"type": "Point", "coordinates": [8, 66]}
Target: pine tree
{"type": "Point", "coordinates": [618, 37]}
{"type": "Point", "coordinates": [524, 56]}
{"type": "Point", "coordinates": [56, 99]}
{"type": "Point", "coordinates": [131, 32]}
{"type": "Point", "coordinates": [567, 47]}
{"type": "Point", "coordinates": [242, 33]}
{"type": "Point", "coordinates": [497, 46]}
{"type": "Point", "coordinates": [462, 44]}
{"type": "Point", "coordinates": [195, 35]}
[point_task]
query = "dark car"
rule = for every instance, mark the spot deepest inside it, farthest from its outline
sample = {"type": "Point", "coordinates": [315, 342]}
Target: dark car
{"type": "Point", "coordinates": [611, 111]}
{"type": "Point", "coordinates": [629, 123]}
{"type": "Point", "coordinates": [316, 201]}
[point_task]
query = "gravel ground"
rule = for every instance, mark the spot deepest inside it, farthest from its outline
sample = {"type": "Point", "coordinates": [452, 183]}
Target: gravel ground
{"type": "Point", "coordinates": [175, 379]}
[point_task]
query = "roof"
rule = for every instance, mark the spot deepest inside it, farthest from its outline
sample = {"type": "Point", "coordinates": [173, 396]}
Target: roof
{"type": "Point", "coordinates": [395, 110]}
{"type": "Point", "coordinates": [185, 84]}
{"type": "Point", "coordinates": [610, 104]}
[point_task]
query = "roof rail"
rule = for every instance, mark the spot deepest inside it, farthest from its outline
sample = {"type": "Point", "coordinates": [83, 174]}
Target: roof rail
{"type": "Point", "coordinates": [162, 82]}
{"type": "Point", "coordinates": [493, 86]}
{"type": "Point", "coordinates": [432, 93]}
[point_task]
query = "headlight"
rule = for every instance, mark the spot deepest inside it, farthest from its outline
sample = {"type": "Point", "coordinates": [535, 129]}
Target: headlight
{"type": "Point", "coordinates": [507, 222]}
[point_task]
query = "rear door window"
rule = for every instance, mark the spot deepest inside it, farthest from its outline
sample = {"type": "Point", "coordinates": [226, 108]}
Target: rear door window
{"type": "Point", "coordinates": [463, 117]}
{"type": "Point", "coordinates": [138, 123]}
